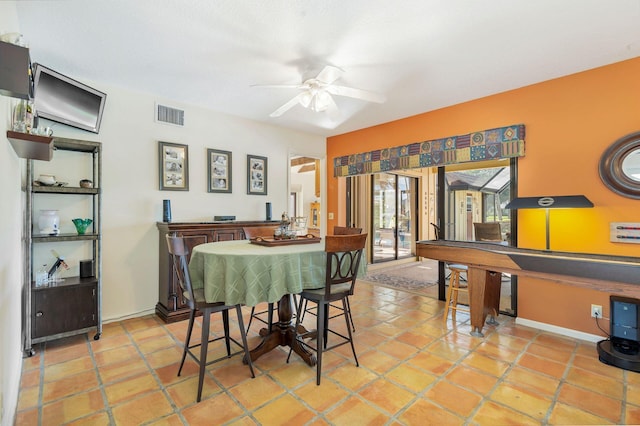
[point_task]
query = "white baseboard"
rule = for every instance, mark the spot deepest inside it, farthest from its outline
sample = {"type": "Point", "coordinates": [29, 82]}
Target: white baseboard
{"type": "Point", "coordinates": [560, 330]}
{"type": "Point", "coordinates": [126, 317]}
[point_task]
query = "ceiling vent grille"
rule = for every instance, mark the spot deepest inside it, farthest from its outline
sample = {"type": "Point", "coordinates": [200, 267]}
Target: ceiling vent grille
{"type": "Point", "coordinates": [165, 114]}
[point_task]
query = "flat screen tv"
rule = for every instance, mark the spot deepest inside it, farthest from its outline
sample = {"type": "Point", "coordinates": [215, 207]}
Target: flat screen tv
{"type": "Point", "coordinates": [65, 100]}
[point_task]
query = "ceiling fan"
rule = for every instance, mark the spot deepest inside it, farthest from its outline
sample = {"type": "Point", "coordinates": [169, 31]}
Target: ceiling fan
{"type": "Point", "coordinates": [316, 92]}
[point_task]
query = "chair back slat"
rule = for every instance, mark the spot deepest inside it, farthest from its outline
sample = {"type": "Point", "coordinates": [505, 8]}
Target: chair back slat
{"type": "Point", "coordinates": [344, 253]}
{"type": "Point", "coordinates": [487, 231]}
{"type": "Point", "coordinates": [346, 230]}
{"type": "Point", "coordinates": [179, 252]}
{"type": "Point", "coordinates": [344, 266]}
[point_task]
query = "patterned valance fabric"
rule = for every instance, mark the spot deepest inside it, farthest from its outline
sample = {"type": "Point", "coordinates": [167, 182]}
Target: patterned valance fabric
{"type": "Point", "coordinates": [492, 144]}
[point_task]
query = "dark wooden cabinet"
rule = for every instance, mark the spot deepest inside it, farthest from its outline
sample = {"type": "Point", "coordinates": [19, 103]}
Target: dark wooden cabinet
{"type": "Point", "coordinates": [70, 306]}
{"type": "Point", "coordinates": [170, 307]}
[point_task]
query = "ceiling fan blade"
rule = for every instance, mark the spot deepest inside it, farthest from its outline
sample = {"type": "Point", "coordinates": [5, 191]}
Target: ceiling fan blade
{"type": "Point", "coordinates": [329, 74]}
{"type": "Point", "coordinates": [356, 93]}
{"type": "Point", "coordinates": [286, 107]}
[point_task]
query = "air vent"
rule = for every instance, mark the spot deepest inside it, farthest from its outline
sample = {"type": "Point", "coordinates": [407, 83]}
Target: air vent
{"type": "Point", "coordinates": [165, 114]}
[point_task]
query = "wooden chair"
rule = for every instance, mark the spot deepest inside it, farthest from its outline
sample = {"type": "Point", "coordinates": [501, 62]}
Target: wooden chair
{"type": "Point", "coordinates": [438, 235]}
{"type": "Point", "coordinates": [346, 230]}
{"type": "Point", "coordinates": [455, 287]}
{"type": "Point", "coordinates": [196, 302]}
{"type": "Point", "coordinates": [344, 253]}
{"type": "Point", "coordinates": [337, 230]}
{"type": "Point", "coordinates": [487, 231]}
{"type": "Point", "coordinates": [340, 230]}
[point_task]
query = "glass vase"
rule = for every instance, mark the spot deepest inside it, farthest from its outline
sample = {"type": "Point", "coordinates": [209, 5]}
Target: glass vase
{"type": "Point", "coordinates": [81, 225]}
{"type": "Point", "coordinates": [49, 222]}
{"type": "Point", "coordinates": [22, 116]}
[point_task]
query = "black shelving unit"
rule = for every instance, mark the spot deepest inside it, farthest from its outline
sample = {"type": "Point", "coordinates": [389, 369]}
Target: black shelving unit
{"type": "Point", "coordinates": [74, 305]}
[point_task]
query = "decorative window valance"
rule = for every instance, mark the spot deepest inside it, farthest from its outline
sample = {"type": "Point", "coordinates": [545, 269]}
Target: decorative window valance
{"type": "Point", "coordinates": [492, 144]}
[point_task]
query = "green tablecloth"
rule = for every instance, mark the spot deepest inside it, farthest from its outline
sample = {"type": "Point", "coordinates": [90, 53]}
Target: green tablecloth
{"type": "Point", "coordinates": [240, 272]}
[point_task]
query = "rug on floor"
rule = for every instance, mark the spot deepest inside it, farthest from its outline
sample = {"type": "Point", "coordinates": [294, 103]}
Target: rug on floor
{"type": "Point", "coordinates": [417, 277]}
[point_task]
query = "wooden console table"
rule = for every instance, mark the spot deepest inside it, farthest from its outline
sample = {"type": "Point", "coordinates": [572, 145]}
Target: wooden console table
{"type": "Point", "coordinates": [613, 274]}
{"type": "Point", "coordinates": [170, 307]}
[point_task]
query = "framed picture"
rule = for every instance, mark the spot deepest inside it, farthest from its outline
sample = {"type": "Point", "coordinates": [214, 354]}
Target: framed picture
{"type": "Point", "coordinates": [219, 170]}
{"type": "Point", "coordinates": [256, 175]}
{"type": "Point", "coordinates": [173, 166]}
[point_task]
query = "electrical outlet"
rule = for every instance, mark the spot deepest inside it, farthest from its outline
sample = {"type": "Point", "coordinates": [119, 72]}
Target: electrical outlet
{"type": "Point", "coordinates": [330, 216]}
{"type": "Point", "coordinates": [596, 311]}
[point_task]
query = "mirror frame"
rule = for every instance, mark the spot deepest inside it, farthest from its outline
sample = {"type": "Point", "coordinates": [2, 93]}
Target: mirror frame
{"type": "Point", "coordinates": [610, 167]}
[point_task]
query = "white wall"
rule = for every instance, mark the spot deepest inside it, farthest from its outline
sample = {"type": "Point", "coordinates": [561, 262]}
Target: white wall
{"type": "Point", "coordinates": [132, 201]}
{"type": "Point", "coordinates": [10, 270]}
{"type": "Point", "coordinates": [11, 249]}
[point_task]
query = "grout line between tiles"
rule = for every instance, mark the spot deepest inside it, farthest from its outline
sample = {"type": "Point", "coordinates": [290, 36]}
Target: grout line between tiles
{"type": "Point", "coordinates": [501, 380]}
{"type": "Point", "coordinates": [41, 384]}
{"type": "Point", "coordinates": [155, 376]}
{"type": "Point", "coordinates": [100, 384]}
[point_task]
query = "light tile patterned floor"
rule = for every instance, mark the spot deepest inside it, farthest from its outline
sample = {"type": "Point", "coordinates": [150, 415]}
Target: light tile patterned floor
{"type": "Point", "coordinates": [414, 370]}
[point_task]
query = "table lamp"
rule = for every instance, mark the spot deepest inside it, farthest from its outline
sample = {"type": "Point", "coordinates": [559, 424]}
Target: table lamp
{"type": "Point", "coordinates": [561, 202]}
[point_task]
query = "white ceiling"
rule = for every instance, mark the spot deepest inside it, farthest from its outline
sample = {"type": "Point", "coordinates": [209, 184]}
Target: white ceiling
{"type": "Point", "coordinates": [421, 54]}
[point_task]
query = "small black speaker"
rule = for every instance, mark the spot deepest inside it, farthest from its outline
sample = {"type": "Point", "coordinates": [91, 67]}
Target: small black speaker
{"type": "Point", "coordinates": [166, 211]}
{"type": "Point", "coordinates": [268, 210]}
{"type": "Point", "coordinates": [86, 268]}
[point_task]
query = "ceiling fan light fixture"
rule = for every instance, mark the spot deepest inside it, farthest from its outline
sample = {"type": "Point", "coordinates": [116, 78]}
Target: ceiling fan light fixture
{"type": "Point", "coordinates": [321, 101]}
{"type": "Point", "coordinates": [315, 100]}
{"type": "Point", "coordinates": [305, 99]}
{"type": "Point", "coordinates": [317, 93]}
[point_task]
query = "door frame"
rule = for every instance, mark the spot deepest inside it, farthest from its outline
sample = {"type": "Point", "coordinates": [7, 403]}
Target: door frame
{"type": "Point", "coordinates": [441, 221]}
{"type": "Point", "coordinates": [415, 215]}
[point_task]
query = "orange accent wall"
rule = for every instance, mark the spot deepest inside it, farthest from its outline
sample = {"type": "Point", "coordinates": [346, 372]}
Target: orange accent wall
{"type": "Point", "coordinates": [570, 121]}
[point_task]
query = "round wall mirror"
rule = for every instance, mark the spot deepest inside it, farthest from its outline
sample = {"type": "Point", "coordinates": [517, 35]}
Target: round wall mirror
{"type": "Point", "coordinates": [620, 166]}
{"type": "Point", "coordinates": [631, 165]}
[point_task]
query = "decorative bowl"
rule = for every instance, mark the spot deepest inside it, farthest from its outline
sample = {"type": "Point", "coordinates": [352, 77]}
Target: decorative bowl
{"type": "Point", "coordinates": [47, 179]}
{"type": "Point", "coordinates": [81, 225]}
{"type": "Point", "coordinates": [86, 183]}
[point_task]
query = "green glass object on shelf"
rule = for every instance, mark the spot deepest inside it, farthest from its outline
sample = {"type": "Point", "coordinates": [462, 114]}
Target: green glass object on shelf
{"type": "Point", "coordinates": [81, 225]}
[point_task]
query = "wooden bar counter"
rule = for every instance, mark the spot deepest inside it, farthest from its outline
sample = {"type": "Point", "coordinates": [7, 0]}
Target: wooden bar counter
{"type": "Point", "coordinates": [611, 274]}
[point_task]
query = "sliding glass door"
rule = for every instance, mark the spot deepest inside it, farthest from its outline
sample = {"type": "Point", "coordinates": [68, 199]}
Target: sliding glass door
{"type": "Point", "coordinates": [394, 213]}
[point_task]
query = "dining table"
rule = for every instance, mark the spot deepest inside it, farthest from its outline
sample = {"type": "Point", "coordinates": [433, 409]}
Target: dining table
{"type": "Point", "coordinates": [241, 272]}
